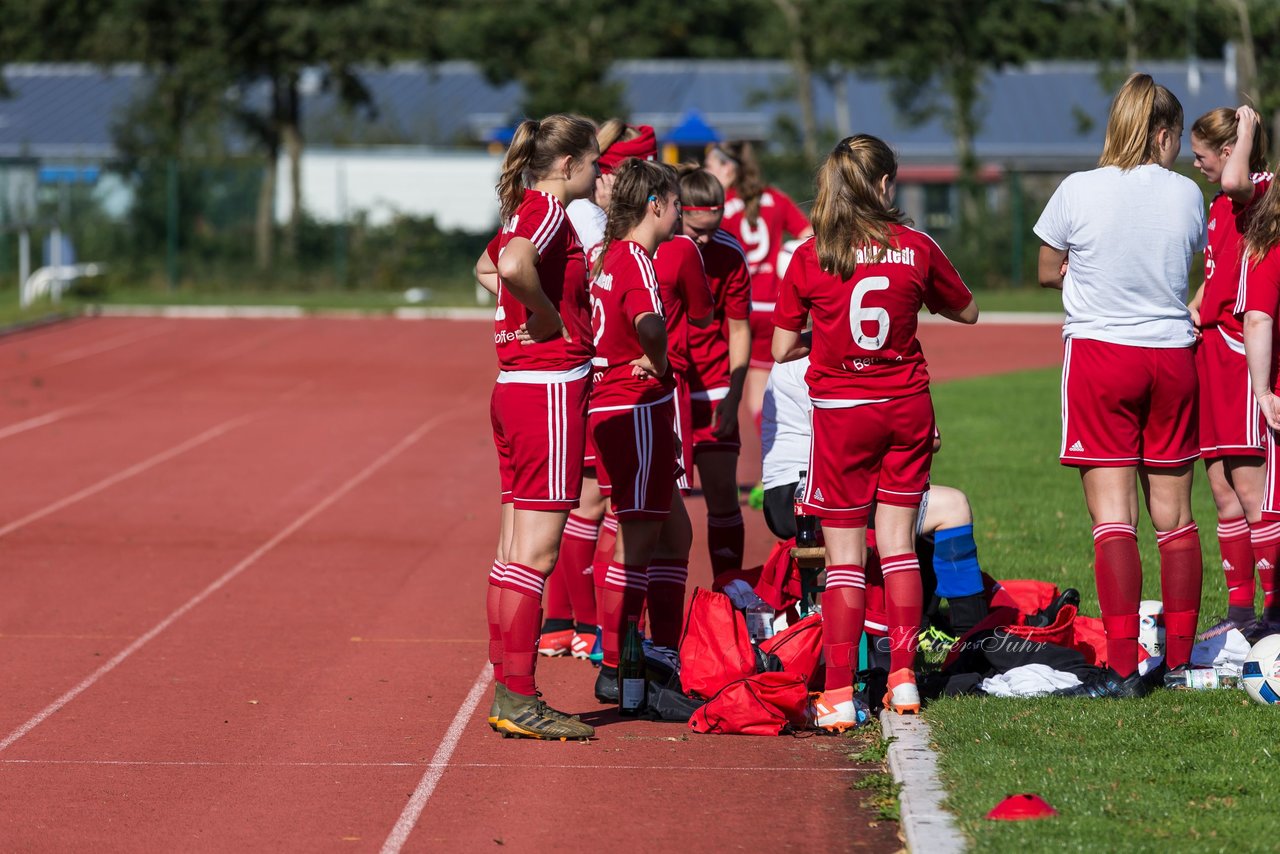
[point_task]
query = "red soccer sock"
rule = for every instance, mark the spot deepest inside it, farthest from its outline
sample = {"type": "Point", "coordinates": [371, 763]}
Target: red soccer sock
{"type": "Point", "coordinates": [1266, 552]}
{"type": "Point", "coordinates": [521, 612]}
{"type": "Point", "coordinates": [725, 538]}
{"type": "Point", "coordinates": [667, 581]}
{"type": "Point", "coordinates": [1235, 544]}
{"type": "Point", "coordinates": [1181, 574]}
{"type": "Point", "coordinates": [493, 615]}
{"type": "Point", "coordinates": [556, 604]}
{"type": "Point", "coordinates": [1117, 568]}
{"type": "Point", "coordinates": [844, 609]}
{"type": "Point", "coordinates": [904, 602]}
{"type": "Point", "coordinates": [605, 541]}
{"type": "Point", "coordinates": [576, 551]}
{"type": "Point", "coordinates": [624, 594]}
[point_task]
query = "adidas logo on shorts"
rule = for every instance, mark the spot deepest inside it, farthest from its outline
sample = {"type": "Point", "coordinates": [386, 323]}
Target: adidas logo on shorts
{"type": "Point", "coordinates": [1076, 448]}
{"type": "Point", "coordinates": [817, 493]}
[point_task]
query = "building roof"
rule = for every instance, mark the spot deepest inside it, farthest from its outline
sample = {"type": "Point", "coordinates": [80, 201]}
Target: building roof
{"type": "Point", "coordinates": [1049, 114]}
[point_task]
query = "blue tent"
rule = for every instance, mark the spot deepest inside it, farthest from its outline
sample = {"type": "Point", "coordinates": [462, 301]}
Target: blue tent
{"type": "Point", "coordinates": [692, 130]}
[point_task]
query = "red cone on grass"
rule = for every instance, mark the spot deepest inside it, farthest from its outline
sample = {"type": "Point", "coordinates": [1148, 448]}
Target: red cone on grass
{"type": "Point", "coordinates": [1021, 808]}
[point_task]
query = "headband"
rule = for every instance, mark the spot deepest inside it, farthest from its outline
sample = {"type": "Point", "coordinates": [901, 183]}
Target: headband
{"type": "Point", "coordinates": [643, 147]}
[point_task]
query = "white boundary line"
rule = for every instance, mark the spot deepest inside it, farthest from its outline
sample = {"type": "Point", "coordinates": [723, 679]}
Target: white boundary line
{"type": "Point", "coordinates": [439, 764]}
{"type": "Point", "coordinates": [145, 382]}
{"type": "Point", "coordinates": [124, 474]}
{"type": "Point", "coordinates": [926, 826]}
{"type": "Point", "coordinates": [100, 347]}
{"type": "Point", "coordinates": [327, 502]}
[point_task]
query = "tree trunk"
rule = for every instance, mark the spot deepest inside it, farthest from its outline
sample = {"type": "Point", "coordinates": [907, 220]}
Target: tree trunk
{"type": "Point", "coordinates": [803, 70]}
{"type": "Point", "coordinates": [291, 137]}
{"type": "Point", "coordinates": [964, 97]}
{"type": "Point", "coordinates": [264, 228]}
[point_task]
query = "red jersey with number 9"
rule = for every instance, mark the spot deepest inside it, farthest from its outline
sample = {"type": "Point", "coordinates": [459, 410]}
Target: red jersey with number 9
{"type": "Point", "coordinates": [626, 288]}
{"type": "Point", "coordinates": [562, 271]}
{"type": "Point", "coordinates": [864, 327]}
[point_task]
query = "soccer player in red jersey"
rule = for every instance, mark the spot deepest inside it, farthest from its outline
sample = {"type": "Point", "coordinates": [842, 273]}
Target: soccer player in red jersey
{"type": "Point", "coordinates": [1230, 148]}
{"type": "Point", "coordinates": [1260, 306]}
{"type": "Point", "coordinates": [718, 360]}
{"type": "Point", "coordinates": [759, 216]}
{"type": "Point", "coordinates": [632, 415]}
{"type": "Point", "coordinates": [573, 589]}
{"type": "Point", "coordinates": [542, 331]}
{"type": "Point", "coordinates": [1118, 241]}
{"type": "Point", "coordinates": [863, 279]}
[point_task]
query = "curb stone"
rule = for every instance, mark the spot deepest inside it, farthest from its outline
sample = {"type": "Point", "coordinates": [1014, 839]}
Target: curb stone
{"type": "Point", "coordinates": [926, 826]}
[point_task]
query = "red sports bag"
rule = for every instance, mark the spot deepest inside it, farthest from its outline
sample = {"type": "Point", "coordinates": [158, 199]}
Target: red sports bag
{"type": "Point", "coordinates": [715, 648]}
{"type": "Point", "coordinates": [799, 648]}
{"type": "Point", "coordinates": [764, 704]}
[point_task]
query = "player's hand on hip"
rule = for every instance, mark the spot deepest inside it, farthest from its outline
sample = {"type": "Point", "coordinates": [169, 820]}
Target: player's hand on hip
{"type": "Point", "coordinates": [540, 327]}
{"type": "Point", "coordinates": [642, 367]}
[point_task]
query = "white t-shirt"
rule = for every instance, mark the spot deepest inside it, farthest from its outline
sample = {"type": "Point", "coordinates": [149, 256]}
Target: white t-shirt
{"type": "Point", "coordinates": [1130, 236]}
{"type": "Point", "coordinates": [588, 220]}
{"type": "Point", "coordinates": [785, 429]}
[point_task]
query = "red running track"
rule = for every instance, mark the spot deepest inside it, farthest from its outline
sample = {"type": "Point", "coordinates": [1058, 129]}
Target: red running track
{"type": "Point", "coordinates": [243, 567]}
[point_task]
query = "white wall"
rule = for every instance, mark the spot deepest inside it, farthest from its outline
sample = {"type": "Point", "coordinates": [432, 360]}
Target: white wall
{"type": "Point", "coordinates": [455, 187]}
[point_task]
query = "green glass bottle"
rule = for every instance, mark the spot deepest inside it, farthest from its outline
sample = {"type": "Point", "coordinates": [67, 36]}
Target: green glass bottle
{"type": "Point", "coordinates": [631, 682]}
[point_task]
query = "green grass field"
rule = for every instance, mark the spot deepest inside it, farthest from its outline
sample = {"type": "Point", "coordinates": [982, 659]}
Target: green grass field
{"type": "Point", "coordinates": [1199, 770]}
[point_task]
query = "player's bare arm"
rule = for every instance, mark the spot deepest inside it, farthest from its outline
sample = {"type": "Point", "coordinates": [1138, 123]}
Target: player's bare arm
{"type": "Point", "coordinates": [518, 268]}
{"type": "Point", "coordinates": [1236, 182]}
{"type": "Point", "coordinates": [1257, 352]}
{"type": "Point", "coordinates": [724, 420]}
{"type": "Point", "coordinates": [652, 332]}
{"type": "Point", "coordinates": [487, 273]}
{"type": "Point", "coordinates": [1052, 267]}
{"type": "Point", "coordinates": [967, 315]}
{"type": "Point", "coordinates": [788, 345]}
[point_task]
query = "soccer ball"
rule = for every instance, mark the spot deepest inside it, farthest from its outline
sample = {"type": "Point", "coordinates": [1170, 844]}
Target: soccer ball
{"type": "Point", "coordinates": [1261, 673]}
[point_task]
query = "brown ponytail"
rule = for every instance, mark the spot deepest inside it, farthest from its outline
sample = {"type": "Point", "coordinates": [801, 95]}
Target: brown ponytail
{"type": "Point", "coordinates": [1263, 231]}
{"type": "Point", "coordinates": [534, 150]}
{"type": "Point", "coordinates": [849, 213]}
{"type": "Point", "coordinates": [1140, 109]}
{"type": "Point", "coordinates": [749, 183]}
{"type": "Point", "coordinates": [635, 183]}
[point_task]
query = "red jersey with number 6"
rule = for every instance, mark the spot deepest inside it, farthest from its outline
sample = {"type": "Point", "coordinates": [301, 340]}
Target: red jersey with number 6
{"type": "Point", "coordinates": [682, 282]}
{"type": "Point", "coordinates": [864, 327]}
{"type": "Point", "coordinates": [726, 266]}
{"type": "Point", "coordinates": [562, 272]}
{"type": "Point", "coordinates": [626, 288]}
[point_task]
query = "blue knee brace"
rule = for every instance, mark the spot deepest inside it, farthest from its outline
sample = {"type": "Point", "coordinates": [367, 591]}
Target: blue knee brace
{"type": "Point", "coordinates": [955, 562]}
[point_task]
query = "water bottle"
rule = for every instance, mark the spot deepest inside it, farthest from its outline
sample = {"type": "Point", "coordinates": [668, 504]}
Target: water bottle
{"type": "Point", "coordinates": [1200, 679]}
{"type": "Point", "coordinates": [759, 621]}
{"type": "Point", "coordinates": [806, 525]}
{"type": "Point", "coordinates": [631, 681]}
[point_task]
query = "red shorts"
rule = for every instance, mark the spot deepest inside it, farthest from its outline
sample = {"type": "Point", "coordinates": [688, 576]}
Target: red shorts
{"type": "Point", "coordinates": [877, 451]}
{"type": "Point", "coordinates": [636, 459]}
{"type": "Point", "coordinates": [761, 337]}
{"type": "Point", "coordinates": [539, 430]}
{"type": "Point", "coordinates": [702, 409]}
{"type": "Point", "coordinates": [589, 455]}
{"type": "Point", "coordinates": [684, 433]}
{"type": "Point", "coordinates": [1122, 405]}
{"type": "Point", "coordinates": [1231, 423]}
{"type": "Point", "coordinates": [1271, 492]}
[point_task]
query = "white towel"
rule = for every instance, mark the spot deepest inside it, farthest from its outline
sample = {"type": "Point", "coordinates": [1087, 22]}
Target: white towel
{"type": "Point", "coordinates": [1029, 680]}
